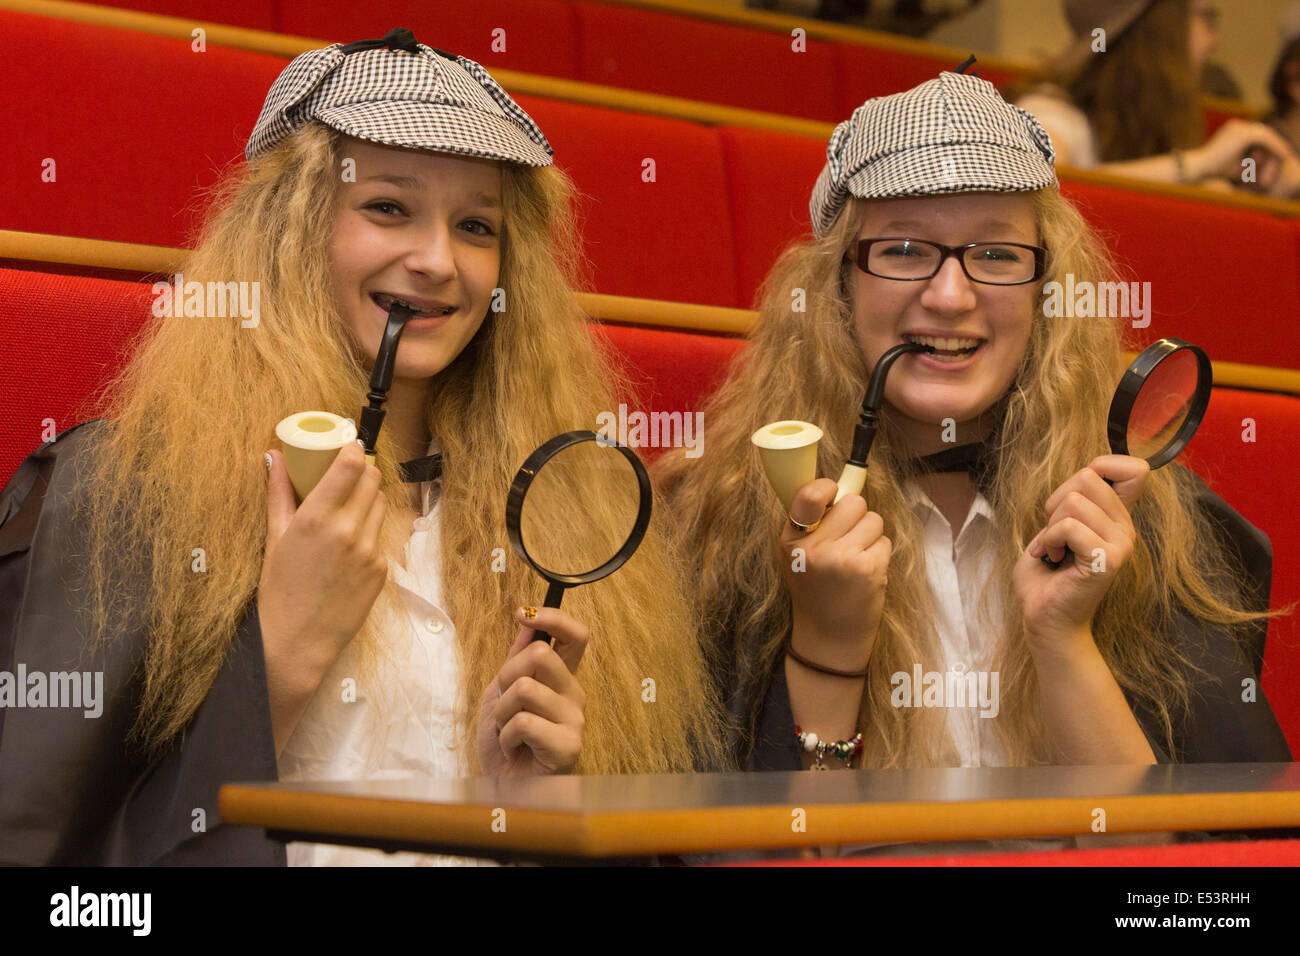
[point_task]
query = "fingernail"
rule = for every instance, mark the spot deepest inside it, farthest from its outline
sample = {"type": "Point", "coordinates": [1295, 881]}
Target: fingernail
{"type": "Point", "coordinates": [361, 444]}
{"type": "Point", "coordinates": [530, 613]}
{"type": "Point", "coordinates": [268, 461]}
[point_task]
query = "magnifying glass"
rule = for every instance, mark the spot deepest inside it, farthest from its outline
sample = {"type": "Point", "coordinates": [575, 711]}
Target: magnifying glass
{"type": "Point", "coordinates": [554, 501]}
{"type": "Point", "coordinates": [1158, 405]}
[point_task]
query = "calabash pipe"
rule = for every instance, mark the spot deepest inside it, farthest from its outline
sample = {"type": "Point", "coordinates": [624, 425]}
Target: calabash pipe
{"type": "Point", "coordinates": [789, 448]}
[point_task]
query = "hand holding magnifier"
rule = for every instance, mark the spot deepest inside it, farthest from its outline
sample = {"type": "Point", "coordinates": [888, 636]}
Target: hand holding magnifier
{"type": "Point", "coordinates": [1158, 405]}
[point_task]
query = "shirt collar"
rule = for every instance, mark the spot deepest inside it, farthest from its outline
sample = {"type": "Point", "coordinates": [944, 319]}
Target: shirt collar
{"type": "Point", "coordinates": [921, 504]}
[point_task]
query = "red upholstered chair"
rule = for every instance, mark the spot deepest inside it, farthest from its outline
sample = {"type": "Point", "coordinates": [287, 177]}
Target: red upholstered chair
{"type": "Point", "coordinates": [541, 36]}
{"type": "Point", "coordinates": [1259, 479]}
{"type": "Point", "coordinates": [1228, 853]}
{"type": "Point", "coordinates": [253, 14]}
{"type": "Point", "coordinates": [867, 71]}
{"type": "Point", "coordinates": [1226, 279]}
{"type": "Point", "coordinates": [666, 239]}
{"type": "Point", "coordinates": [136, 125]}
{"type": "Point", "coordinates": [770, 177]}
{"type": "Point", "coordinates": [701, 60]}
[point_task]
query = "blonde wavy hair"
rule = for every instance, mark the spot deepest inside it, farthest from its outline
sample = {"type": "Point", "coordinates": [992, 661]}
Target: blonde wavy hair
{"type": "Point", "coordinates": [808, 365]}
{"type": "Point", "coordinates": [180, 466]}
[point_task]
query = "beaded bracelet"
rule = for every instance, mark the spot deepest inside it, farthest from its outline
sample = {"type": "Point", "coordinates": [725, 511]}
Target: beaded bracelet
{"type": "Point", "coordinates": [842, 750]}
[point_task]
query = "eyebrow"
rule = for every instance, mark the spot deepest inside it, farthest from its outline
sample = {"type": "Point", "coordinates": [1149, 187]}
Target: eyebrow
{"type": "Point", "coordinates": [981, 226]}
{"type": "Point", "coordinates": [417, 182]}
{"type": "Point", "coordinates": [401, 182]}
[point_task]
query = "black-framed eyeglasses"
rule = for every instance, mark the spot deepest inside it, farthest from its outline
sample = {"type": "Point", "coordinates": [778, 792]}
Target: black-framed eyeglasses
{"type": "Point", "coordinates": [911, 260]}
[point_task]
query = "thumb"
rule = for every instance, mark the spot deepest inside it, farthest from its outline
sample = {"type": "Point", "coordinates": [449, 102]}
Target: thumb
{"type": "Point", "coordinates": [281, 505]}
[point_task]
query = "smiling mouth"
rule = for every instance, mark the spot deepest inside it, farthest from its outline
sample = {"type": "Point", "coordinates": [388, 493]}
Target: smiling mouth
{"type": "Point", "coordinates": [946, 349]}
{"type": "Point", "coordinates": [385, 302]}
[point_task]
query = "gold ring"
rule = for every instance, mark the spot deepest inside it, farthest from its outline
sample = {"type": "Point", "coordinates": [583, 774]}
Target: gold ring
{"type": "Point", "coordinates": [805, 528]}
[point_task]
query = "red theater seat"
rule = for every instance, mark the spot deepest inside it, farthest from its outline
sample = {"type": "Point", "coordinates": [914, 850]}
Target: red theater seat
{"type": "Point", "coordinates": [539, 36]}
{"type": "Point", "coordinates": [667, 239]}
{"type": "Point", "coordinates": [1227, 279]}
{"type": "Point", "coordinates": [700, 60]}
{"type": "Point", "coordinates": [1231, 853]}
{"type": "Point", "coordinates": [136, 125]}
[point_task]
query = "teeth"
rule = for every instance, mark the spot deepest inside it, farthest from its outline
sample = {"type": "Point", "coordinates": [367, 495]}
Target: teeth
{"type": "Point", "coordinates": [944, 344]}
{"type": "Point", "coordinates": [385, 301]}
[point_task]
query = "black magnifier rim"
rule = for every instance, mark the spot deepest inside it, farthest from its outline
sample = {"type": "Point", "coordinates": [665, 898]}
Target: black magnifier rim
{"type": "Point", "coordinates": [1126, 394]}
{"type": "Point", "coordinates": [524, 478]}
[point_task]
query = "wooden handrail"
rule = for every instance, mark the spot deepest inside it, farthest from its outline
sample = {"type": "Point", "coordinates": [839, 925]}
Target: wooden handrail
{"type": "Point", "coordinates": [689, 316]}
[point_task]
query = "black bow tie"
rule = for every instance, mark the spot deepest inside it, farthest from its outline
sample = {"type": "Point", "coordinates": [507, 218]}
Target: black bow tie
{"type": "Point", "coordinates": [428, 468]}
{"type": "Point", "coordinates": [977, 459]}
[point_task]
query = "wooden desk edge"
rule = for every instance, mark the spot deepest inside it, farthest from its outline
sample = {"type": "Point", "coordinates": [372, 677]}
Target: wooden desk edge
{"type": "Point", "coordinates": [717, 829]}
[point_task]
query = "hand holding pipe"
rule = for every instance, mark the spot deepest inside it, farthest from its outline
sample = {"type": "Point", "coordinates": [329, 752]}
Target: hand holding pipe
{"type": "Point", "coordinates": [311, 440]}
{"type": "Point", "coordinates": [789, 448]}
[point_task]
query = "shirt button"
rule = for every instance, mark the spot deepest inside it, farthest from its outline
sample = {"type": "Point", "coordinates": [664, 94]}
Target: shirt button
{"type": "Point", "coordinates": [422, 524]}
{"type": "Point", "coordinates": [449, 738]}
{"type": "Point", "coordinates": [434, 625]}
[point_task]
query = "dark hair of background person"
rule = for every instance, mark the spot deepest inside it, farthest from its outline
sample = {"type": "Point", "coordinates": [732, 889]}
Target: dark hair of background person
{"type": "Point", "coordinates": [1142, 95]}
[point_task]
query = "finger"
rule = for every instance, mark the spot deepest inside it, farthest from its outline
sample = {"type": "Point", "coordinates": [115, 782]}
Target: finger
{"type": "Point", "coordinates": [1092, 486]}
{"type": "Point", "coordinates": [522, 640]}
{"type": "Point", "coordinates": [555, 746]}
{"type": "Point", "coordinates": [875, 560]}
{"type": "Point", "coordinates": [336, 485]}
{"type": "Point", "coordinates": [1127, 474]}
{"type": "Point", "coordinates": [1084, 509]}
{"type": "Point", "coordinates": [527, 695]}
{"type": "Point", "coordinates": [1067, 533]}
{"type": "Point", "coordinates": [374, 521]}
{"type": "Point", "coordinates": [570, 636]}
{"type": "Point", "coordinates": [869, 529]}
{"type": "Point", "coordinates": [540, 662]}
{"type": "Point", "coordinates": [281, 503]}
{"type": "Point", "coordinates": [811, 501]}
{"type": "Point", "coordinates": [363, 496]}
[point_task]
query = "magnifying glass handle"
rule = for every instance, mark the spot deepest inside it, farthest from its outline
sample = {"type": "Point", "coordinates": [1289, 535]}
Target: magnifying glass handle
{"type": "Point", "coordinates": [554, 594]}
{"type": "Point", "coordinates": [1069, 555]}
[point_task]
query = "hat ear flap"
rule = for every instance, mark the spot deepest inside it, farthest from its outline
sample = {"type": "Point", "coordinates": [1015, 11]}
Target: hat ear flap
{"type": "Point", "coordinates": [1039, 132]}
{"type": "Point", "coordinates": [503, 100]}
{"type": "Point", "coordinates": [298, 81]}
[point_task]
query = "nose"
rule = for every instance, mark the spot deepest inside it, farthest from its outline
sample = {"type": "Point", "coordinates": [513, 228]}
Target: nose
{"type": "Point", "coordinates": [949, 291]}
{"type": "Point", "coordinates": [432, 253]}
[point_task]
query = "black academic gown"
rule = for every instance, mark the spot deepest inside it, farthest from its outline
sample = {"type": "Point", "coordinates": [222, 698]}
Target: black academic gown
{"type": "Point", "coordinates": [70, 791]}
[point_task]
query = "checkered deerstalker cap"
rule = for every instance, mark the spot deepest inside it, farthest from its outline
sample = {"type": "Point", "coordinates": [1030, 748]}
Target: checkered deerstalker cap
{"type": "Point", "coordinates": [952, 134]}
{"type": "Point", "coordinates": [399, 92]}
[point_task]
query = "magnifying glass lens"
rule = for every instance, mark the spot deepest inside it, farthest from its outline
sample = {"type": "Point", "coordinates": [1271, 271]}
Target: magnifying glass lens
{"type": "Point", "coordinates": [1163, 404]}
{"type": "Point", "coordinates": [580, 509]}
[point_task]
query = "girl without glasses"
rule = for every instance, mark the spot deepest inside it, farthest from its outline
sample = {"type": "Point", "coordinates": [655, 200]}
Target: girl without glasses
{"type": "Point", "coordinates": [370, 630]}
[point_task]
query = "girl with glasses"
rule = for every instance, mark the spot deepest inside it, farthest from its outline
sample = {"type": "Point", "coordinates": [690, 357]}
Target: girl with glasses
{"type": "Point", "coordinates": [937, 220]}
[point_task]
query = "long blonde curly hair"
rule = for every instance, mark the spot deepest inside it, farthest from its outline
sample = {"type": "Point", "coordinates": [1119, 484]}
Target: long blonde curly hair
{"type": "Point", "coordinates": [180, 465]}
{"type": "Point", "coordinates": [808, 365]}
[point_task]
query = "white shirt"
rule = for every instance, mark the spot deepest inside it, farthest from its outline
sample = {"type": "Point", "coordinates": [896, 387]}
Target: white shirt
{"type": "Point", "coordinates": [344, 736]}
{"type": "Point", "coordinates": [959, 573]}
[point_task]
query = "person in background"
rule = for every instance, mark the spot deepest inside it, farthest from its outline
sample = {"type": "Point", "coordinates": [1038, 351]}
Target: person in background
{"type": "Point", "coordinates": [1133, 108]}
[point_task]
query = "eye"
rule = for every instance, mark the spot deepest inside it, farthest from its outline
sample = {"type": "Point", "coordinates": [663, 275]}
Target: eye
{"type": "Point", "coordinates": [478, 227]}
{"type": "Point", "coordinates": [380, 206]}
{"type": "Point", "coordinates": [903, 250]}
{"type": "Point", "coordinates": [998, 254]}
